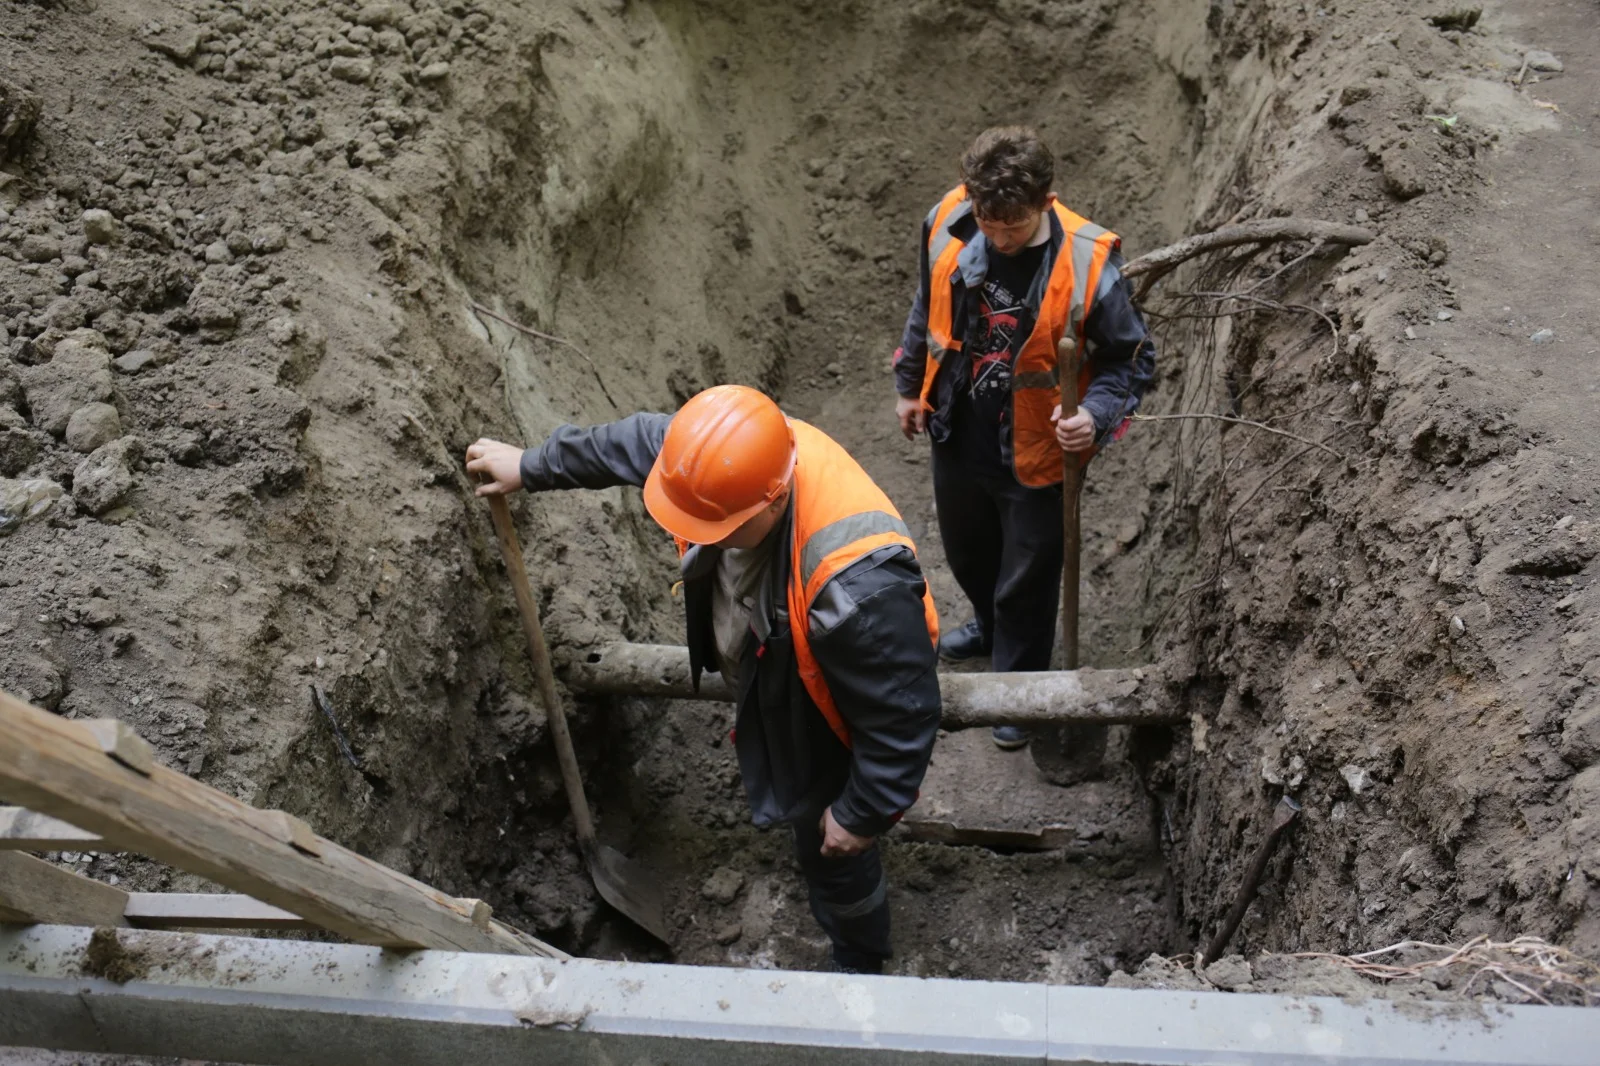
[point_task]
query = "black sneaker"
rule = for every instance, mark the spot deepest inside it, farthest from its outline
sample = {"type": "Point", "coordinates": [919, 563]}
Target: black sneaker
{"type": "Point", "coordinates": [967, 642]}
{"type": "Point", "coordinates": [1009, 737]}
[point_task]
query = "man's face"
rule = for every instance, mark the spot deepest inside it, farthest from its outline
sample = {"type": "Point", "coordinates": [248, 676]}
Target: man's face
{"type": "Point", "coordinates": [1009, 236]}
{"type": "Point", "coordinates": [757, 528]}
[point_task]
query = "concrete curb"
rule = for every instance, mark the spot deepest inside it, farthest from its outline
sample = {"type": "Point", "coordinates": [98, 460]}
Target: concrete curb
{"type": "Point", "coordinates": [288, 1003]}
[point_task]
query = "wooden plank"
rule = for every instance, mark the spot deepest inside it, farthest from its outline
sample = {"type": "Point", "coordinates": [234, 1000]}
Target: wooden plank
{"type": "Point", "coordinates": [118, 740]}
{"type": "Point", "coordinates": [207, 910]}
{"type": "Point", "coordinates": [58, 767]}
{"type": "Point", "coordinates": [32, 890]}
{"type": "Point", "coordinates": [25, 830]}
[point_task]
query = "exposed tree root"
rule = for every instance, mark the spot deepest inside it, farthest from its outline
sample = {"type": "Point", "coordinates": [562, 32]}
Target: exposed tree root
{"type": "Point", "coordinates": [1541, 971]}
{"type": "Point", "coordinates": [1156, 265]}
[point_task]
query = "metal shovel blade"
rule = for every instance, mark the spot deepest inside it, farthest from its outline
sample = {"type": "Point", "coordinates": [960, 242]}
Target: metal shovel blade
{"type": "Point", "coordinates": [628, 887]}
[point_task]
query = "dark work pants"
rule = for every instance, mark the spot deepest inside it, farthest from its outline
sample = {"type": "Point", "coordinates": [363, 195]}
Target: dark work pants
{"type": "Point", "coordinates": [1003, 541]}
{"type": "Point", "coordinates": [849, 898]}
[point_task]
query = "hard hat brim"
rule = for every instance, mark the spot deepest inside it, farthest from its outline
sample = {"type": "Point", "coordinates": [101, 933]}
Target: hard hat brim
{"type": "Point", "coordinates": [685, 526]}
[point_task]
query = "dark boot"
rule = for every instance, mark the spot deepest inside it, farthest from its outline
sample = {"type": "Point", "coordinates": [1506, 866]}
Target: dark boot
{"type": "Point", "coordinates": [846, 961]}
{"type": "Point", "coordinates": [967, 642]}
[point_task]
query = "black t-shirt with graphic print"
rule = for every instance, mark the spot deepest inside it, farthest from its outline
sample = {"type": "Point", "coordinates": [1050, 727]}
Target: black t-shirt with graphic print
{"type": "Point", "coordinates": [992, 343]}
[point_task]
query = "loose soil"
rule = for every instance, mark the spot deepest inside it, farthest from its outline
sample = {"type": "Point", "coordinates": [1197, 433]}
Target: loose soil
{"type": "Point", "coordinates": [254, 376]}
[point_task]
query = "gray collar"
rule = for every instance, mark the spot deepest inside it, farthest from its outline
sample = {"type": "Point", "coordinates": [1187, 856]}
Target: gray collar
{"type": "Point", "coordinates": [700, 561]}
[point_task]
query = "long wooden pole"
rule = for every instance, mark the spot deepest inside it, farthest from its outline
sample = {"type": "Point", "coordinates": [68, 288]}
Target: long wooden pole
{"type": "Point", "coordinates": [539, 652]}
{"type": "Point", "coordinates": [67, 770]}
{"type": "Point", "coordinates": [1067, 358]}
{"type": "Point", "coordinates": [1037, 698]}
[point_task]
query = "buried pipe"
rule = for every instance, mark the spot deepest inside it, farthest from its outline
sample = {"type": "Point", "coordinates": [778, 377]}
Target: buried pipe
{"type": "Point", "coordinates": [1047, 697]}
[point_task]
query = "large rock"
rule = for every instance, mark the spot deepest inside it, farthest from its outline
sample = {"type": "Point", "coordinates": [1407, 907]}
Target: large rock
{"type": "Point", "coordinates": [348, 68]}
{"type": "Point", "coordinates": [210, 304]}
{"type": "Point", "coordinates": [93, 425]}
{"type": "Point", "coordinates": [1403, 171]}
{"type": "Point", "coordinates": [39, 248]}
{"type": "Point", "coordinates": [104, 478]}
{"type": "Point", "coordinates": [32, 678]}
{"type": "Point", "coordinates": [18, 446]}
{"type": "Point", "coordinates": [135, 361]}
{"type": "Point", "coordinates": [383, 14]}
{"type": "Point", "coordinates": [723, 885]}
{"type": "Point", "coordinates": [21, 501]}
{"type": "Point", "coordinates": [178, 40]}
{"type": "Point", "coordinates": [77, 375]}
{"type": "Point", "coordinates": [99, 226]}
{"type": "Point", "coordinates": [1580, 736]}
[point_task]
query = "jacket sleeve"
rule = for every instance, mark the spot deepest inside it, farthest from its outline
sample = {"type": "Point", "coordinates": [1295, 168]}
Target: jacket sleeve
{"type": "Point", "coordinates": [596, 457]}
{"type": "Point", "coordinates": [1122, 355]}
{"type": "Point", "coordinates": [912, 355]}
{"type": "Point", "coordinates": [870, 638]}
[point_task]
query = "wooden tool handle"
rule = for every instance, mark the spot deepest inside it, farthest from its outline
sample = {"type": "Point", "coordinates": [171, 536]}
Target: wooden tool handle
{"type": "Point", "coordinates": [511, 552]}
{"type": "Point", "coordinates": [1067, 361]}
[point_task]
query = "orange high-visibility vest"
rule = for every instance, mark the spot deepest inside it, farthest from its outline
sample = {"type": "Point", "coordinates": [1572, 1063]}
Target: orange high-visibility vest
{"type": "Point", "coordinates": [1035, 377]}
{"type": "Point", "coordinates": [840, 515]}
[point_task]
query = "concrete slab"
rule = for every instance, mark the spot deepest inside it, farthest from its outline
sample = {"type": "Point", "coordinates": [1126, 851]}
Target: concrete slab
{"type": "Point", "coordinates": [293, 1003]}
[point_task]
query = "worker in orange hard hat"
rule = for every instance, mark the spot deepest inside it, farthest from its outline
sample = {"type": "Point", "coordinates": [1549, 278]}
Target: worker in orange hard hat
{"type": "Point", "coordinates": [802, 588]}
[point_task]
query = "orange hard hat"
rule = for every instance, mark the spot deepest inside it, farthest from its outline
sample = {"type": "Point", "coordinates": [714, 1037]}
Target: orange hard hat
{"type": "Point", "coordinates": [728, 453]}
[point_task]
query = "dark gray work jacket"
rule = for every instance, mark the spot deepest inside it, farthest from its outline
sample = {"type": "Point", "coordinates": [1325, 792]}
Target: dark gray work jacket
{"type": "Point", "coordinates": [868, 633]}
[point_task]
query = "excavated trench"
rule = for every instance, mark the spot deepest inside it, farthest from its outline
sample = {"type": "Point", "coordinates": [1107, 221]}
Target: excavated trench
{"type": "Point", "coordinates": [734, 194]}
{"type": "Point", "coordinates": [1379, 603]}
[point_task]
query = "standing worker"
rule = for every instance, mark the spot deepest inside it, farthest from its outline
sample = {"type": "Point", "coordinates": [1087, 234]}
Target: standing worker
{"type": "Point", "coordinates": [802, 588]}
{"type": "Point", "coordinates": [1006, 273]}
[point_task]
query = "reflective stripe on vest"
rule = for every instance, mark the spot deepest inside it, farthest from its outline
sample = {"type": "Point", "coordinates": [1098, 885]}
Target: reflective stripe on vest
{"type": "Point", "coordinates": [1063, 309]}
{"type": "Point", "coordinates": [839, 516]}
{"type": "Point", "coordinates": [841, 534]}
{"type": "Point", "coordinates": [943, 248]}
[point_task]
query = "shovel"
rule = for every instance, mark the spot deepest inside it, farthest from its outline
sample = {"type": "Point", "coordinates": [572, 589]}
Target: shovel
{"type": "Point", "coordinates": [1071, 484]}
{"type": "Point", "coordinates": [1069, 754]}
{"type": "Point", "coordinates": [622, 882]}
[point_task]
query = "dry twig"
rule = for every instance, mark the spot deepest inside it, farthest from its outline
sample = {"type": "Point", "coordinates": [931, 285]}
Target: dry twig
{"type": "Point", "coordinates": [529, 330]}
{"type": "Point", "coordinates": [541, 335]}
{"type": "Point", "coordinates": [1276, 306]}
{"type": "Point", "coordinates": [1227, 524]}
{"type": "Point", "coordinates": [1238, 422]}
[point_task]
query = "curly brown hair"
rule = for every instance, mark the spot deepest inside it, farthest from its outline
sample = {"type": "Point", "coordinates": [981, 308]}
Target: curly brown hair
{"type": "Point", "coordinates": [1008, 172]}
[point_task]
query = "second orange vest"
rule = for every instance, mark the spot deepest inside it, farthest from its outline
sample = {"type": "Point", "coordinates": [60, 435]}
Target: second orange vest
{"type": "Point", "coordinates": [1035, 377]}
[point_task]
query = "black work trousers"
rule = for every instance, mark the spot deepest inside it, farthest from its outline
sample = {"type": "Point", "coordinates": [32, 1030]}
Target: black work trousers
{"type": "Point", "coordinates": [849, 898]}
{"type": "Point", "coordinates": [1004, 542]}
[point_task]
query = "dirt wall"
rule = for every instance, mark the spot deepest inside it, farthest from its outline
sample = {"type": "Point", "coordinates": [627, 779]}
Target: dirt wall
{"type": "Point", "coordinates": [1390, 625]}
